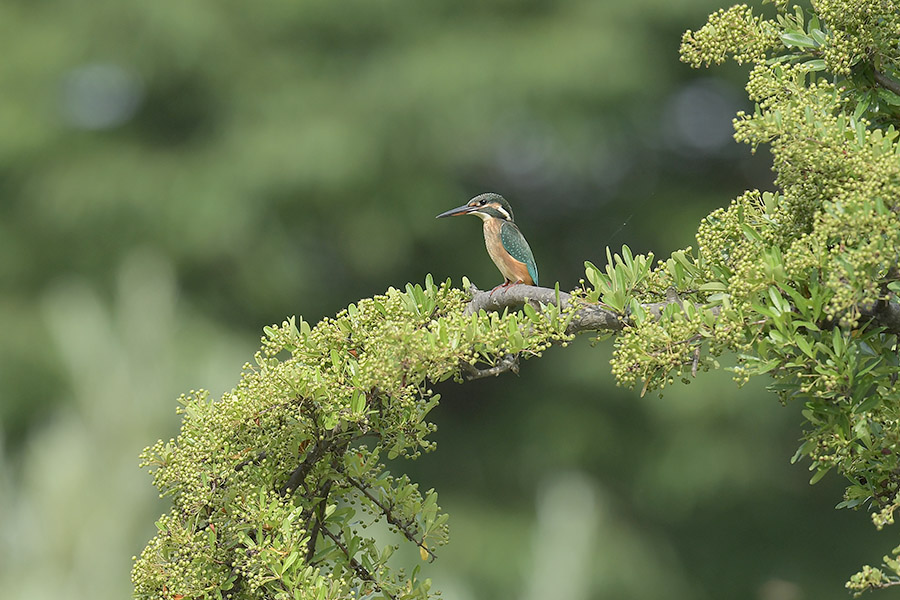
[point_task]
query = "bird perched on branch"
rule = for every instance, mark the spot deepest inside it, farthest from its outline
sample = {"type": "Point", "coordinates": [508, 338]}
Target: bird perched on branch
{"type": "Point", "coordinates": [505, 243]}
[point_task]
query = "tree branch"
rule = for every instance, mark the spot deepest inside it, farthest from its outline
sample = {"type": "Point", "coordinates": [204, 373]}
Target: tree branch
{"type": "Point", "coordinates": [507, 363]}
{"type": "Point", "coordinates": [312, 457]}
{"type": "Point", "coordinates": [886, 314]}
{"type": "Point", "coordinates": [261, 456]}
{"type": "Point", "coordinates": [393, 520]}
{"type": "Point", "coordinates": [317, 514]}
{"type": "Point", "coordinates": [886, 82]}
{"type": "Point", "coordinates": [588, 317]}
{"type": "Point", "coordinates": [317, 518]}
{"type": "Point", "coordinates": [361, 572]}
{"type": "Point", "coordinates": [593, 317]}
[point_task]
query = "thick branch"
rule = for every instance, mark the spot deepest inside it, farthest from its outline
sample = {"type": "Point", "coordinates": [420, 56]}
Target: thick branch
{"type": "Point", "coordinates": [588, 317]}
{"type": "Point", "coordinates": [886, 314]}
{"type": "Point", "coordinates": [317, 513]}
{"type": "Point", "coordinates": [317, 518]}
{"type": "Point", "coordinates": [593, 317]}
{"type": "Point", "coordinates": [886, 82]}
{"type": "Point", "coordinates": [507, 363]}
{"type": "Point", "coordinates": [303, 469]}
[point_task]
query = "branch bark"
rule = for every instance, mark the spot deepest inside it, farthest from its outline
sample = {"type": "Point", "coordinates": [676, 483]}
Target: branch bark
{"type": "Point", "coordinates": [507, 363]}
{"type": "Point", "coordinates": [887, 314]}
{"type": "Point", "coordinates": [303, 469]}
{"type": "Point", "coordinates": [588, 317]}
{"type": "Point", "coordinates": [886, 82]}
{"type": "Point", "coordinates": [594, 317]}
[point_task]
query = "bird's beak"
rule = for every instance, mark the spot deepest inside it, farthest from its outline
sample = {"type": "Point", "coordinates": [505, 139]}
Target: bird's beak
{"type": "Point", "coordinates": [455, 212]}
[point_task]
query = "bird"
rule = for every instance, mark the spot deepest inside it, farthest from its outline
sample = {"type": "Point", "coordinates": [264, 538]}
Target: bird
{"type": "Point", "coordinates": [505, 243]}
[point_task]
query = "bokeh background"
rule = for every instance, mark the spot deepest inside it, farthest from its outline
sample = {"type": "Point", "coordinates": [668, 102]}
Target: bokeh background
{"type": "Point", "coordinates": [176, 175]}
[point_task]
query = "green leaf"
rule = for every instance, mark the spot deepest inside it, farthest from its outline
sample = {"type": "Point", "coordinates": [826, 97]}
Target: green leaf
{"type": "Point", "coordinates": [860, 129]}
{"type": "Point", "coordinates": [638, 314]}
{"type": "Point", "coordinates": [889, 97]}
{"type": "Point", "coordinates": [852, 503]}
{"type": "Point", "coordinates": [750, 233]}
{"type": "Point", "coordinates": [861, 107]}
{"type": "Point", "coordinates": [837, 341]}
{"type": "Point", "coordinates": [869, 403]}
{"type": "Point", "coordinates": [531, 313]}
{"type": "Point", "coordinates": [358, 402]}
{"type": "Point", "coordinates": [819, 475]}
{"type": "Point", "coordinates": [764, 310]}
{"type": "Point", "coordinates": [805, 346]}
{"type": "Point", "coordinates": [777, 337]}
{"type": "Point", "coordinates": [797, 297]}
{"type": "Point", "coordinates": [798, 40]}
{"type": "Point", "coordinates": [592, 273]}
{"type": "Point", "coordinates": [778, 301]}
{"type": "Point", "coordinates": [291, 559]}
{"type": "Point", "coordinates": [803, 450]}
{"type": "Point", "coordinates": [817, 35]}
{"type": "Point", "coordinates": [684, 261]}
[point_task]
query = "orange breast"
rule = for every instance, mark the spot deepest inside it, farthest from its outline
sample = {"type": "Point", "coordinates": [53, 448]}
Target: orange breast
{"type": "Point", "coordinates": [513, 270]}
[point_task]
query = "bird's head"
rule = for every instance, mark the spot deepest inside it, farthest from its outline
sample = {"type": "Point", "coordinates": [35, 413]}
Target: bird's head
{"type": "Point", "coordinates": [485, 206]}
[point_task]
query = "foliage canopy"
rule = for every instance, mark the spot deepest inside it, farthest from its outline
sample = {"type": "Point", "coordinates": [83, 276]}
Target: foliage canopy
{"type": "Point", "coordinates": [274, 485]}
{"type": "Point", "coordinates": [330, 401]}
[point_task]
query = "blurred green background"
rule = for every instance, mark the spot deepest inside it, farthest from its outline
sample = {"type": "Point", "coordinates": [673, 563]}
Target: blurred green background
{"type": "Point", "coordinates": [176, 175]}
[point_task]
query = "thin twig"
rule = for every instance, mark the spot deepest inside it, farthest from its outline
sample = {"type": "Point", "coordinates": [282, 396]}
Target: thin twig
{"type": "Point", "coordinates": [888, 584]}
{"type": "Point", "coordinates": [393, 520]}
{"type": "Point", "coordinates": [361, 572]}
{"type": "Point", "coordinates": [695, 362]}
{"type": "Point", "coordinates": [261, 456]}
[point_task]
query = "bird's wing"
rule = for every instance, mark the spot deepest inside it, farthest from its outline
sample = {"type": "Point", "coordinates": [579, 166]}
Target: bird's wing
{"type": "Point", "coordinates": [514, 243]}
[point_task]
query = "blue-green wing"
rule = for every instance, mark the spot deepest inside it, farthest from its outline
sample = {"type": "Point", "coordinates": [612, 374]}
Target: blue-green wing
{"type": "Point", "coordinates": [518, 248]}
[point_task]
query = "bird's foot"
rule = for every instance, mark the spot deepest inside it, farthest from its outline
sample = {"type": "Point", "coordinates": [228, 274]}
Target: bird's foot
{"type": "Point", "coordinates": [503, 286]}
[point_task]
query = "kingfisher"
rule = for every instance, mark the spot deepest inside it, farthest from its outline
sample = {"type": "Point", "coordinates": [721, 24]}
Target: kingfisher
{"type": "Point", "coordinates": [505, 243]}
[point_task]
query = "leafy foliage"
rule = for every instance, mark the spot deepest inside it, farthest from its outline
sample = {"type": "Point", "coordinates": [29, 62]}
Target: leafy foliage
{"type": "Point", "coordinates": [274, 485]}
{"type": "Point", "coordinates": [793, 281]}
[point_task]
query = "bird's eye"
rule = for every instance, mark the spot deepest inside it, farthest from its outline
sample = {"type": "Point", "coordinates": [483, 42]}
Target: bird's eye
{"type": "Point", "coordinates": [482, 202]}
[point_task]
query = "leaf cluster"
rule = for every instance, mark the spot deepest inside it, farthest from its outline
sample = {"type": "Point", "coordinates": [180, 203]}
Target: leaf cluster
{"type": "Point", "coordinates": [791, 281]}
{"type": "Point", "coordinates": [276, 485]}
